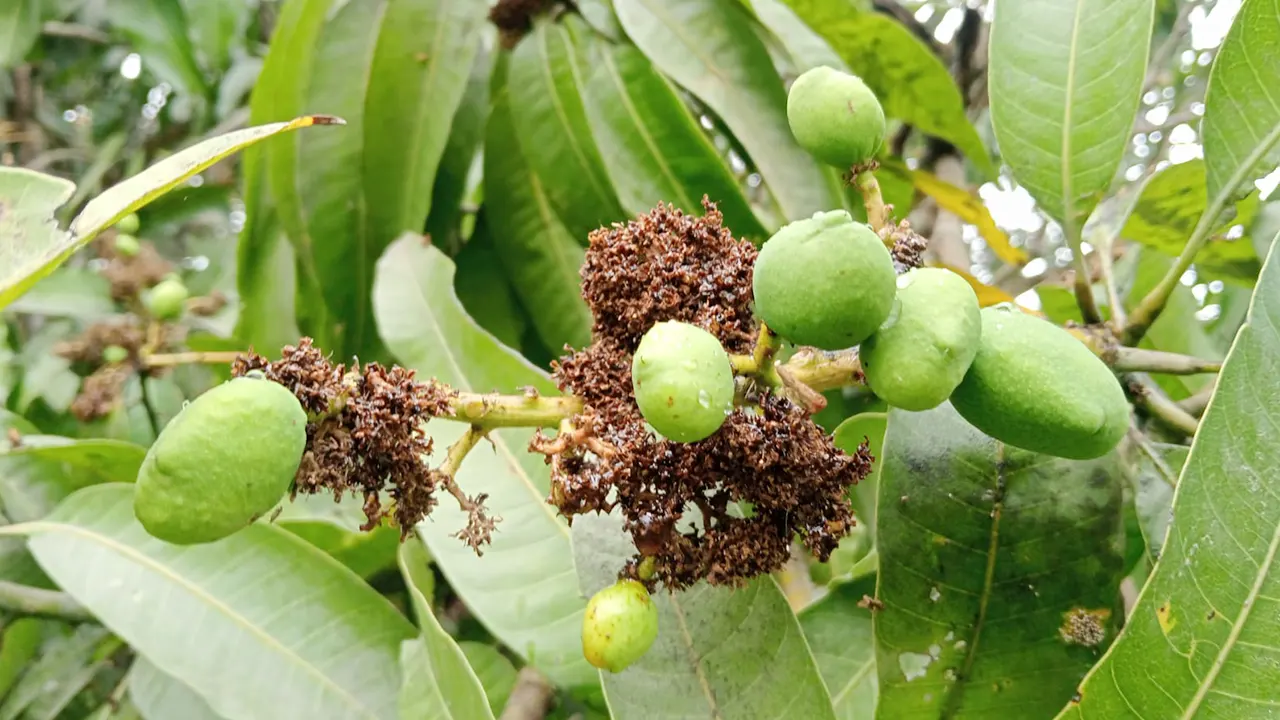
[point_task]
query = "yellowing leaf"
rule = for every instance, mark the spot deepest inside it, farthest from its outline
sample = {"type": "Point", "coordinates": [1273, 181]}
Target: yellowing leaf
{"type": "Point", "coordinates": [969, 208]}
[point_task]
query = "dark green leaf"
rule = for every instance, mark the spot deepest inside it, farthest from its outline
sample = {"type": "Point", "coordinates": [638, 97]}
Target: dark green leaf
{"type": "Point", "coordinates": [545, 87]}
{"type": "Point", "coordinates": [187, 609]}
{"type": "Point", "coordinates": [19, 29]}
{"type": "Point", "coordinates": [485, 291]}
{"type": "Point", "coordinates": [437, 681]}
{"type": "Point", "coordinates": [1167, 212]}
{"type": "Point", "coordinates": [839, 634]}
{"type": "Point", "coordinates": [458, 164]}
{"type": "Point", "coordinates": [66, 664]}
{"type": "Point", "coordinates": [720, 652]}
{"type": "Point", "coordinates": [1152, 477]}
{"type": "Point", "coordinates": [161, 697]}
{"type": "Point", "coordinates": [911, 82]}
{"type": "Point", "coordinates": [1200, 641]}
{"type": "Point", "coordinates": [1065, 77]}
{"type": "Point", "coordinates": [518, 589]}
{"type": "Point", "coordinates": [19, 646]}
{"type": "Point", "coordinates": [538, 254]}
{"type": "Point", "coordinates": [708, 47]}
{"type": "Point", "coordinates": [652, 145]}
{"type": "Point", "coordinates": [158, 30]}
{"type": "Point", "coordinates": [986, 554]}
{"type": "Point", "coordinates": [1241, 127]}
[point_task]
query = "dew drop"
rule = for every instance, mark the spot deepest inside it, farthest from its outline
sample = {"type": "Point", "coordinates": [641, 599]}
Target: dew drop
{"type": "Point", "coordinates": [704, 399]}
{"type": "Point", "coordinates": [934, 594]}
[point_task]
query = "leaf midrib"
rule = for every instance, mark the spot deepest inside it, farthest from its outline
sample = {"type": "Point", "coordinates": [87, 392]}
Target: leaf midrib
{"type": "Point", "coordinates": [199, 592]}
{"type": "Point", "coordinates": [1068, 197]}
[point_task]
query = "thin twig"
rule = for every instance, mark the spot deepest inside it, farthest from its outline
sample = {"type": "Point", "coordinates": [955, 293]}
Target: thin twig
{"type": "Point", "coordinates": [1128, 359]}
{"type": "Point", "coordinates": [54, 28]}
{"type": "Point", "coordinates": [222, 357]}
{"type": "Point", "coordinates": [1199, 402]}
{"type": "Point", "coordinates": [26, 600]}
{"type": "Point", "coordinates": [1083, 280]}
{"type": "Point", "coordinates": [531, 697]}
{"type": "Point", "coordinates": [1149, 398]}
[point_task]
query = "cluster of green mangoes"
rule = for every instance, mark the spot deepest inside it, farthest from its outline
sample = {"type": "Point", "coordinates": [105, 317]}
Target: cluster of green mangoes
{"type": "Point", "coordinates": [168, 299]}
{"type": "Point", "coordinates": [225, 460]}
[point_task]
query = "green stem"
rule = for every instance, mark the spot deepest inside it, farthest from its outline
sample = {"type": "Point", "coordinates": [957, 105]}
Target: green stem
{"type": "Point", "coordinates": [26, 600]}
{"type": "Point", "coordinates": [498, 411]}
{"type": "Point", "coordinates": [1083, 287]}
{"type": "Point", "coordinates": [1127, 359]}
{"type": "Point", "coordinates": [1150, 399]}
{"type": "Point", "coordinates": [877, 213]}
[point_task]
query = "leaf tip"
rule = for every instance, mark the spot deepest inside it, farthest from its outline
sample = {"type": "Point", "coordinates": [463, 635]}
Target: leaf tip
{"type": "Point", "coordinates": [310, 120]}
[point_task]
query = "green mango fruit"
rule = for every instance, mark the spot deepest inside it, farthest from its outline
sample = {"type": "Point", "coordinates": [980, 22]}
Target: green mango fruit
{"type": "Point", "coordinates": [825, 281]}
{"type": "Point", "coordinates": [167, 300]}
{"type": "Point", "coordinates": [1035, 386]}
{"type": "Point", "coordinates": [129, 224]}
{"type": "Point", "coordinates": [923, 350]}
{"type": "Point", "coordinates": [835, 117]}
{"type": "Point", "coordinates": [127, 245]}
{"type": "Point", "coordinates": [619, 626]}
{"type": "Point", "coordinates": [682, 380]}
{"type": "Point", "coordinates": [226, 459]}
{"type": "Point", "coordinates": [114, 355]}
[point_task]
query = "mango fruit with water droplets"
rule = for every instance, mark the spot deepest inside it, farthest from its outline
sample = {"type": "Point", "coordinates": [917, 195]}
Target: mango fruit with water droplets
{"type": "Point", "coordinates": [682, 380]}
{"type": "Point", "coordinates": [1035, 386]}
{"type": "Point", "coordinates": [226, 459]}
{"type": "Point", "coordinates": [825, 281]}
{"type": "Point", "coordinates": [922, 351]}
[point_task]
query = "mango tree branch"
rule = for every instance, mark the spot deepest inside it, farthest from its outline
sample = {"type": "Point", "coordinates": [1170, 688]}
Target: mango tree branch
{"type": "Point", "coordinates": [26, 600]}
{"type": "Point", "coordinates": [1199, 402]}
{"type": "Point", "coordinates": [1148, 398]}
{"type": "Point", "coordinates": [1127, 359]}
{"type": "Point", "coordinates": [497, 411]}
{"type": "Point", "coordinates": [1083, 287]}
{"type": "Point", "coordinates": [191, 358]}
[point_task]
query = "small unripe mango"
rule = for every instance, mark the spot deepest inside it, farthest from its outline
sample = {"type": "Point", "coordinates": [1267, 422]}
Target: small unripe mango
{"type": "Point", "coordinates": [1035, 386]}
{"type": "Point", "coordinates": [682, 380]}
{"type": "Point", "coordinates": [127, 245]}
{"type": "Point", "coordinates": [825, 281]}
{"type": "Point", "coordinates": [129, 224]}
{"type": "Point", "coordinates": [619, 626]}
{"type": "Point", "coordinates": [167, 300]}
{"type": "Point", "coordinates": [114, 355]}
{"type": "Point", "coordinates": [922, 352]}
{"type": "Point", "coordinates": [224, 460]}
{"type": "Point", "coordinates": [835, 117]}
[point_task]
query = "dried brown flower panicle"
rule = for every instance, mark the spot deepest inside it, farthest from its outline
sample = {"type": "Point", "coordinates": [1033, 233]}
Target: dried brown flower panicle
{"type": "Point", "coordinates": [724, 509]}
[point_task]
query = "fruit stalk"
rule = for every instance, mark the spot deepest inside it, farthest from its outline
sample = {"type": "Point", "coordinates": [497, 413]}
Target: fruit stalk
{"type": "Point", "coordinates": [1083, 280]}
{"type": "Point", "coordinates": [1127, 359]}
{"type": "Point", "coordinates": [877, 211]}
{"type": "Point", "coordinates": [1147, 397]}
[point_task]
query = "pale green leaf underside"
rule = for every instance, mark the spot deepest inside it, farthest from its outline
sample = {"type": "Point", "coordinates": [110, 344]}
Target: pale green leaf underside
{"type": "Point", "coordinates": [522, 588]}
{"type": "Point", "coordinates": [159, 696]}
{"type": "Point", "coordinates": [720, 653]}
{"type": "Point", "coordinates": [1202, 640]}
{"type": "Point", "coordinates": [1065, 79]}
{"type": "Point", "coordinates": [211, 614]}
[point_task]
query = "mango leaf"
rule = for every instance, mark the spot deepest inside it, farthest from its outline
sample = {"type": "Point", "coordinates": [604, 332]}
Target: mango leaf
{"type": "Point", "coordinates": [437, 681]}
{"type": "Point", "coordinates": [454, 176]}
{"type": "Point", "coordinates": [65, 665]}
{"type": "Point", "coordinates": [396, 72]}
{"type": "Point", "coordinates": [545, 87]}
{"type": "Point", "coordinates": [652, 146]}
{"type": "Point", "coordinates": [1199, 642]}
{"type": "Point", "coordinates": [159, 696]}
{"type": "Point", "coordinates": [969, 208]}
{"type": "Point", "coordinates": [1153, 475]}
{"type": "Point", "coordinates": [1166, 214]}
{"type": "Point", "coordinates": [496, 673]}
{"type": "Point", "coordinates": [158, 30]}
{"type": "Point", "coordinates": [537, 253]}
{"type": "Point", "coordinates": [214, 25]}
{"type": "Point", "coordinates": [1064, 82]}
{"type": "Point", "coordinates": [988, 295]}
{"type": "Point", "coordinates": [839, 634]}
{"type": "Point", "coordinates": [720, 652]}
{"type": "Point", "coordinates": [31, 246]}
{"type": "Point", "coordinates": [72, 292]}
{"type": "Point", "coordinates": [999, 571]}
{"type": "Point", "coordinates": [19, 645]}
{"type": "Point", "coordinates": [1241, 126]}
{"type": "Point", "coordinates": [708, 47]}
{"type": "Point", "coordinates": [336, 659]}
{"type": "Point", "coordinates": [19, 29]}
{"type": "Point", "coordinates": [484, 289]}
{"type": "Point", "coordinates": [519, 589]}
{"type": "Point", "coordinates": [99, 460]}
{"type": "Point", "coordinates": [868, 427]}
{"type": "Point", "coordinates": [912, 83]}
{"type": "Point", "coordinates": [801, 43]}
{"type": "Point", "coordinates": [335, 529]}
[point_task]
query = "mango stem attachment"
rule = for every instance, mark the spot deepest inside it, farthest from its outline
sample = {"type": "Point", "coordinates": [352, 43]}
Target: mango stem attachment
{"type": "Point", "coordinates": [869, 187]}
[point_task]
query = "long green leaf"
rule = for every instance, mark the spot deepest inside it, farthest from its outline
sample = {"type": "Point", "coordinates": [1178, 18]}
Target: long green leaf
{"type": "Point", "coordinates": [1201, 640]}
{"type": "Point", "coordinates": [652, 146]}
{"type": "Point", "coordinates": [1241, 127]}
{"type": "Point", "coordinates": [986, 555]}
{"type": "Point", "coordinates": [1166, 214]}
{"type": "Point", "coordinates": [839, 633]}
{"type": "Point", "coordinates": [720, 652]}
{"type": "Point", "coordinates": [19, 29]}
{"type": "Point", "coordinates": [31, 246]}
{"type": "Point", "coordinates": [456, 174]}
{"type": "Point", "coordinates": [210, 615]}
{"type": "Point", "coordinates": [536, 251]}
{"type": "Point", "coordinates": [65, 665]}
{"type": "Point", "coordinates": [545, 86]}
{"type": "Point", "coordinates": [214, 26]}
{"type": "Point", "coordinates": [437, 680]}
{"type": "Point", "coordinates": [911, 82]}
{"type": "Point", "coordinates": [1064, 80]}
{"type": "Point", "coordinates": [522, 588]}
{"type": "Point", "coordinates": [708, 47]}
{"type": "Point", "coordinates": [158, 30]}
{"type": "Point", "coordinates": [161, 697]}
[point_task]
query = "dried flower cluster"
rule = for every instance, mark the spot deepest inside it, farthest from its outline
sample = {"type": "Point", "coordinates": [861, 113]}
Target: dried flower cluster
{"type": "Point", "coordinates": [366, 436]}
{"type": "Point", "coordinates": [908, 246]}
{"type": "Point", "coordinates": [514, 18]}
{"type": "Point", "coordinates": [130, 275]}
{"type": "Point", "coordinates": [102, 389]}
{"type": "Point", "coordinates": [724, 509]}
